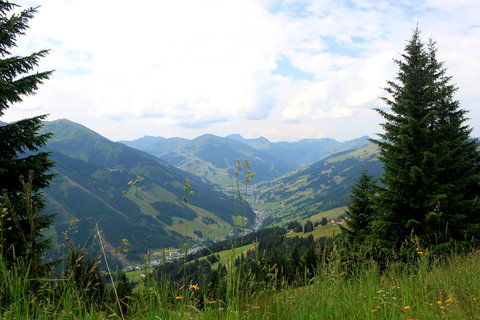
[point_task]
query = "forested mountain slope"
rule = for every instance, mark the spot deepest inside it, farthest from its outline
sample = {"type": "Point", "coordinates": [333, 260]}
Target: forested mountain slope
{"type": "Point", "coordinates": [130, 194]}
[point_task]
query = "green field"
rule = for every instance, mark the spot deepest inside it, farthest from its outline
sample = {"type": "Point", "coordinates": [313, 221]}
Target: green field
{"type": "Point", "coordinates": [329, 214]}
{"type": "Point", "coordinates": [225, 257]}
{"type": "Point", "coordinates": [319, 232]}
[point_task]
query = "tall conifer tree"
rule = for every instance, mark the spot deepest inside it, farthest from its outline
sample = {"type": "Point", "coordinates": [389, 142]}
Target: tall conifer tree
{"type": "Point", "coordinates": [361, 210]}
{"type": "Point", "coordinates": [431, 163]}
{"type": "Point", "coordinates": [23, 170]}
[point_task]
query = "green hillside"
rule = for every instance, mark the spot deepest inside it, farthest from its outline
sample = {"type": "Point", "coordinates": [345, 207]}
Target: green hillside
{"type": "Point", "coordinates": [130, 194]}
{"type": "Point", "coordinates": [316, 188]}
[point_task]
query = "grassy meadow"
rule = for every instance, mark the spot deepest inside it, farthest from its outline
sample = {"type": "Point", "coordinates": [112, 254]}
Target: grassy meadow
{"type": "Point", "coordinates": [429, 288]}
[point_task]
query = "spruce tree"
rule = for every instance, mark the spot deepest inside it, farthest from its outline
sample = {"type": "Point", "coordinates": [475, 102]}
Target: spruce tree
{"type": "Point", "coordinates": [310, 260]}
{"type": "Point", "coordinates": [361, 210]}
{"type": "Point", "coordinates": [23, 169]}
{"type": "Point", "coordinates": [431, 164]}
{"type": "Point", "coordinates": [308, 227]}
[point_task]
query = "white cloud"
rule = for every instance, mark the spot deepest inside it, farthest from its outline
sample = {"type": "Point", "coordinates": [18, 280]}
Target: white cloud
{"type": "Point", "coordinates": [371, 79]}
{"type": "Point", "coordinates": [188, 66]}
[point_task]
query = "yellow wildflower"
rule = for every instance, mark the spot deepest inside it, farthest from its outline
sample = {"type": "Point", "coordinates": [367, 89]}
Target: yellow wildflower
{"type": "Point", "coordinates": [407, 307]}
{"type": "Point", "coordinates": [178, 297]}
{"type": "Point", "coordinates": [449, 300]}
{"type": "Point", "coordinates": [193, 287]}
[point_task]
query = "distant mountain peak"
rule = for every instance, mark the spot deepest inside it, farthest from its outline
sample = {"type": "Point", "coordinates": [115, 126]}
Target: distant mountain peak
{"type": "Point", "coordinates": [207, 135]}
{"type": "Point", "coordinates": [62, 120]}
{"type": "Point", "coordinates": [146, 139]}
{"type": "Point", "coordinates": [151, 137]}
{"type": "Point", "coordinates": [261, 138]}
{"type": "Point", "coordinates": [239, 137]}
{"type": "Point", "coordinates": [236, 137]}
{"type": "Point", "coordinates": [317, 140]}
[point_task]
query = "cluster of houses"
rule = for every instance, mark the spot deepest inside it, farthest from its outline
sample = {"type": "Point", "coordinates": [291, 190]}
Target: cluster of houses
{"type": "Point", "coordinates": [158, 257]}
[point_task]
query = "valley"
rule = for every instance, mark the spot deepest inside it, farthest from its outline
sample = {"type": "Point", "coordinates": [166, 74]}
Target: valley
{"type": "Point", "coordinates": [142, 200]}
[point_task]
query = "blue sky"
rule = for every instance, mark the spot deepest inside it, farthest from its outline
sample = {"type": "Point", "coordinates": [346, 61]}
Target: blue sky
{"type": "Point", "coordinates": [285, 70]}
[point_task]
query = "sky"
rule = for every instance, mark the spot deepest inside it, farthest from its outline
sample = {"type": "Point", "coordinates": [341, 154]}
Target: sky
{"type": "Point", "coordinates": [285, 70]}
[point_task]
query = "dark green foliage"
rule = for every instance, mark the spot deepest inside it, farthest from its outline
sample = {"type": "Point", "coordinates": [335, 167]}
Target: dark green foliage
{"type": "Point", "coordinates": [295, 271]}
{"type": "Point", "coordinates": [83, 272]}
{"type": "Point", "coordinates": [196, 272]}
{"type": "Point", "coordinates": [216, 288]}
{"type": "Point", "coordinates": [168, 209]}
{"type": "Point", "coordinates": [124, 291]}
{"type": "Point", "coordinates": [308, 227]}
{"type": "Point", "coordinates": [295, 226]}
{"type": "Point", "coordinates": [21, 223]}
{"type": "Point", "coordinates": [324, 221]}
{"type": "Point", "coordinates": [19, 145]}
{"type": "Point", "coordinates": [310, 261]}
{"type": "Point", "coordinates": [361, 210]}
{"type": "Point", "coordinates": [431, 164]}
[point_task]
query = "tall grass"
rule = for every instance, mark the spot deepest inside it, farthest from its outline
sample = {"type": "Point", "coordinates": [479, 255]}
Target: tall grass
{"type": "Point", "coordinates": [446, 288]}
{"type": "Point", "coordinates": [442, 289]}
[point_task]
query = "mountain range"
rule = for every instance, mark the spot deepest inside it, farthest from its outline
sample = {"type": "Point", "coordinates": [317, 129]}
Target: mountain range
{"type": "Point", "coordinates": [214, 157]}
